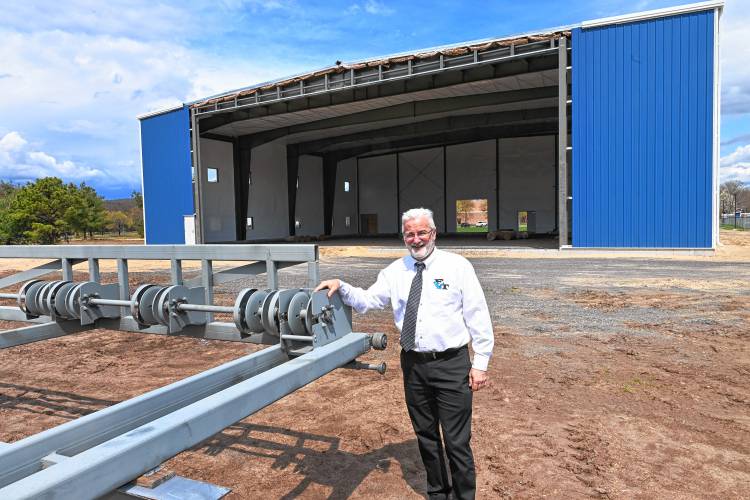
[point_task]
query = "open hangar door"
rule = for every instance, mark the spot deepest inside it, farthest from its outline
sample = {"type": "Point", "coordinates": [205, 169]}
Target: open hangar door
{"type": "Point", "coordinates": [346, 152]}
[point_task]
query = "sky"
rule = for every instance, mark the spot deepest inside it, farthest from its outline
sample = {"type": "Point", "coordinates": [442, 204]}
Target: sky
{"type": "Point", "coordinates": [74, 74]}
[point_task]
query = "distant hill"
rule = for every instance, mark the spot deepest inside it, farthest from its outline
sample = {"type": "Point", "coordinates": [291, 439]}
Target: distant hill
{"type": "Point", "coordinates": [122, 204]}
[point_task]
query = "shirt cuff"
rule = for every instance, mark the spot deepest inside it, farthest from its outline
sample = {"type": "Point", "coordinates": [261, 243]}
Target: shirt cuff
{"type": "Point", "coordinates": [481, 361]}
{"type": "Point", "coordinates": [345, 291]}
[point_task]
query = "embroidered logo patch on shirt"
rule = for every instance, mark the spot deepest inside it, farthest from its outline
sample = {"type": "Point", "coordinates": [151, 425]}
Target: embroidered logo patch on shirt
{"type": "Point", "coordinates": [440, 284]}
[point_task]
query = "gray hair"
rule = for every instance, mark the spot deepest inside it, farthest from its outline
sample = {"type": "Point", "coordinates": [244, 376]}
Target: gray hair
{"type": "Point", "coordinates": [416, 213]}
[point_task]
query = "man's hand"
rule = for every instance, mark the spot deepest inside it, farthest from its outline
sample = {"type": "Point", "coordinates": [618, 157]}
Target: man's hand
{"type": "Point", "coordinates": [478, 379]}
{"type": "Point", "coordinates": [331, 285]}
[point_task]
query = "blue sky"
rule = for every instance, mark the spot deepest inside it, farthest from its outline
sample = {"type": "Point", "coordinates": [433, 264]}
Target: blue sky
{"type": "Point", "coordinates": [74, 74]}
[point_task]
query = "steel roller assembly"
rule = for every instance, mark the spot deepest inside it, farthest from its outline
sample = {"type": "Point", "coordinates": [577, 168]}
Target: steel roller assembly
{"type": "Point", "coordinates": [66, 300]}
{"type": "Point", "coordinates": [299, 318]}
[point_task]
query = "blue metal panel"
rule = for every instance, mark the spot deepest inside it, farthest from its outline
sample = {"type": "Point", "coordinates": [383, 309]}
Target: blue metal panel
{"type": "Point", "coordinates": [167, 178]}
{"type": "Point", "coordinates": [643, 133]}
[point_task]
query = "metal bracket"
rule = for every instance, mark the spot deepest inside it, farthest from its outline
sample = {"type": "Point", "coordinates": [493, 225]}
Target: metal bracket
{"type": "Point", "coordinates": [90, 312]}
{"type": "Point", "coordinates": [334, 318]}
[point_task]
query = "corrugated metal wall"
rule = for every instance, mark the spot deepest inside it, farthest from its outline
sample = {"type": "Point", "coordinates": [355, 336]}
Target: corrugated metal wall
{"type": "Point", "coordinates": [167, 182]}
{"type": "Point", "coordinates": [643, 133]}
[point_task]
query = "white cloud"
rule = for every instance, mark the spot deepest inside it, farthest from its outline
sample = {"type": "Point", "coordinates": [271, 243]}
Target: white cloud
{"type": "Point", "coordinates": [21, 162]}
{"type": "Point", "coordinates": [736, 165]}
{"type": "Point", "coordinates": [735, 53]}
{"type": "Point", "coordinates": [377, 8]}
{"type": "Point", "coordinates": [371, 7]}
{"type": "Point", "coordinates": [741, 154]}
{"type": "Point", "coordinates": [737, 172]}
{"type": "Point", "coordinates": [77, 85]}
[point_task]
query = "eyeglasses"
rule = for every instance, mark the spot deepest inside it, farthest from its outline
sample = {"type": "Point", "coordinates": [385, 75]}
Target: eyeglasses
{"type": "Point", "coordinates": [421, 234]}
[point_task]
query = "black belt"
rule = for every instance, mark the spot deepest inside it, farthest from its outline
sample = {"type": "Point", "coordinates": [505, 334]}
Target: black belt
{"type": "Point", "coordinates": [428, 356]}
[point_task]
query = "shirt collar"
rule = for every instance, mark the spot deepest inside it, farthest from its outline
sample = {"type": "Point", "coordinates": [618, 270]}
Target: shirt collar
{"type": "Point", "coordinates": [410, 261]}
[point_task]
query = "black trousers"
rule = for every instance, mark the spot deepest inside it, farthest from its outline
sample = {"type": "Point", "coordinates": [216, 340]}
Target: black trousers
{"type": "Point", "coordinates": [438, 398]}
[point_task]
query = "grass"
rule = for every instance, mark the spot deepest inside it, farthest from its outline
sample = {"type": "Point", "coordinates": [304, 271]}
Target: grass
{"type": "Point", "coordinates": [730, 227]}
{"type": "Point", "coordinates": [471, 229]}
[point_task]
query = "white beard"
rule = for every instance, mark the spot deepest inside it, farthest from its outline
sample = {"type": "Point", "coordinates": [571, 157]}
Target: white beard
{"type": "Point", "coordinates": [421, 251]}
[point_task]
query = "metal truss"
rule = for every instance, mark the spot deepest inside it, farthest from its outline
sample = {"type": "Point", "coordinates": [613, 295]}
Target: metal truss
{"type": "Point", "coordinates": [369, 76]}
{"type": "Point", "coordinates": [253, 260]}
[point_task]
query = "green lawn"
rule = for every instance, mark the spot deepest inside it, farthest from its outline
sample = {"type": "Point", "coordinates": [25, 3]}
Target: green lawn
{"type": "Point", "coordinates": [731, 227]}
{"type": "Point", "coordinates": [471, 229]}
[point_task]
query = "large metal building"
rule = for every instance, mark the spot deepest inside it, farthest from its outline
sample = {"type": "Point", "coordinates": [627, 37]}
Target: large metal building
{"type": "Point", "coordinates": [607, 132]}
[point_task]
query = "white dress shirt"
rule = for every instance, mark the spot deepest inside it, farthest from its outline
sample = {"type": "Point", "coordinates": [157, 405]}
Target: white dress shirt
{"type": "Point", "coordinates": [452, 309]}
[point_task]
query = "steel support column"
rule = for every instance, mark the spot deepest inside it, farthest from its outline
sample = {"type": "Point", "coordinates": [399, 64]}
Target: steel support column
{"type": "Point", "coordinates": [562, 137]}
{"type": "Point", "coordinates": [292, 181]}
{"type": "Point", "coordinates": [330, 166]}
{"type": "Point", "coordinates": [198, 180]}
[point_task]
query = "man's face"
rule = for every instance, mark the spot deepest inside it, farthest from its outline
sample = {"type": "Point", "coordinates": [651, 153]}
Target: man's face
{"type": "Point", "coordinates": [419, 238]}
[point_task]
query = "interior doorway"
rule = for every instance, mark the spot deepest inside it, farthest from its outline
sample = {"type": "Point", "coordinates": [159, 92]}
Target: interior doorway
{"type": "Point", "coordinates": [368, 224]}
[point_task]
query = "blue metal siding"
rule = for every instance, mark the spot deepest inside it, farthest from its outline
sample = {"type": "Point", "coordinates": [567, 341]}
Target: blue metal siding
{"type": "Point", "coordinates": [643, 133]}
{"type": "Point", "coordinates": [167, 178]}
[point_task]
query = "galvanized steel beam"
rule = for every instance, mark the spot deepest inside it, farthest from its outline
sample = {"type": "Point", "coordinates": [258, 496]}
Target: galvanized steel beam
{"type": "Point", "coordinates": [22, 458]}
{"type": "Point", "coordinates": [35, 333]}
{"type": "Point", "coordinates": [101, 469]}
{"type": "Point", "coordinates": [235, 273]}
{"type": "Point", "coordinates": [284, 253]}
{"type": "Point", "coordinates": [30, 274]}
{"type": "Point", "coordinates": [13, 313]}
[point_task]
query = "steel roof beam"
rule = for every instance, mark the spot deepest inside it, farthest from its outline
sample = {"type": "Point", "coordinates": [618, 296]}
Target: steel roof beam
{"type": "Point", "coordinates": [541, 61]}
{"type": "Point", "coordinates": [414, 109]}
{"type": "Point", "coordinates": [451, 123]}
{"type": "Point", "coordinates": [446, 139]}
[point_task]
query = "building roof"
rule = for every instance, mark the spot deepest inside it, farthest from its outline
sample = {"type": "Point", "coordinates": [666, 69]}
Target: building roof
{"type": "Point", "coordinates": [318, 80]}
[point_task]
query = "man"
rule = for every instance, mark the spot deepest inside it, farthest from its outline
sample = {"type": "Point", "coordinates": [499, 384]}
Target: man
{"type": "Point", "coordinates": [439, 307]}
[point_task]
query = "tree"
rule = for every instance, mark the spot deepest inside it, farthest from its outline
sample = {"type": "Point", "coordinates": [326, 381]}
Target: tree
{"type": "Point", "coordinates": [86, 213]}
{"type": "Point", "coordinates": [730, 190]}
{"type": "Point", "coordinates": [464, 207]}
{"type": "Point", "coordinates": [8, 192]}
{"type": "Point", "coordinates": [47, 209]}
{"type": "Point", "coordinates": [36, 212]}
{"type": "Point", "coordinates": [136, 213]}
{"type": "Point", "coordinates": [118, 221]}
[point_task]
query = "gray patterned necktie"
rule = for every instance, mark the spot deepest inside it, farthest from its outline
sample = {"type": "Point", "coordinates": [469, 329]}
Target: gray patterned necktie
{"type": "Point", "coordinates": [409, 327]}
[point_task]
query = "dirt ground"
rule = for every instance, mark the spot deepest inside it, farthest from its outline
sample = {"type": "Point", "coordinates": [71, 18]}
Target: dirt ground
{"type": "Point", "coordinates": [612, 378]}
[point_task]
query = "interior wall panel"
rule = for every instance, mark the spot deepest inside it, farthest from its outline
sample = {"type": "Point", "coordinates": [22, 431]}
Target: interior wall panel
{"type": "Point", "coordinates": [219, 219]}
{"type": "Point", "coordinates": [378, 191]}
{"type": "Point", "coordinates": [643, 133]}
{"type": "Point", "coordinates": [345, 202]}
{"type": "Point", "coordinates": [527, 181]}
{"type": "Point", "coordinates": [471, 174]}
{"type": "Point", "coordinates": [309, 206]}
{"type": "Point", "coordinates": [267, 199]}
{"type": "Point", "coordinates": [421, 176]}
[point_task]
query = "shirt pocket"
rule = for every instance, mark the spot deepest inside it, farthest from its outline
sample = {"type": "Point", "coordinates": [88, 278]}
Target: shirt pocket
{"type": "Point", "coordinates": [443, 297]}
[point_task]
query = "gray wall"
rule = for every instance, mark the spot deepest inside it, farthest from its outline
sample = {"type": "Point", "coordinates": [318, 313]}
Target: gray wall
{"type": "Point", "coordinates": [528, 174]}
{"type": "Point", "coordinates": [267, 203]}
{"type": "Point", "coordinates": [420, 182]}
{"type": "Point", "coordinates": [377, 191]}
{"type": "Point", "coordinates": [309, 206]}
{"type": "Point", "coordinates": [345, 204]}
{"type": "Point", "coordinates": [386, 186]}
{"type": "Point", "coordinates": [218, 198]}
{"type": "Point", "coordinates": [471, 174]}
